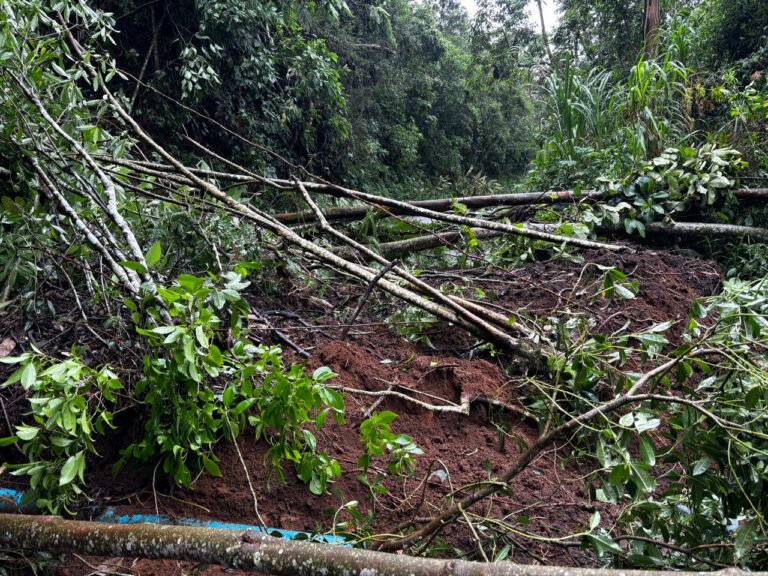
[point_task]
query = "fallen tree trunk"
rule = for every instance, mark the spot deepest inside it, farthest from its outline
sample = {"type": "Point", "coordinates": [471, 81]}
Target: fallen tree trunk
{"type": "Point", "coordinates": [390, 250]}
{"type": "Point", "coordinates": [267, 222]}
{"type": "Point", "coordinates": [255, 551]}
{"type": "Point", "coordinates": [445, 204]}
{"type": "Point", "coordinates": [699, 229]}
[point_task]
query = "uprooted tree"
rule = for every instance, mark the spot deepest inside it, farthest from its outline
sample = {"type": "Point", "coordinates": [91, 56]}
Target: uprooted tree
{"type": "Point", "coordinates": [84, 186]}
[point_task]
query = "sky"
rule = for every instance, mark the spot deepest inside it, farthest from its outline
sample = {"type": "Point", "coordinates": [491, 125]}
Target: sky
{"type": "Point", "coordinates": [549, 7]}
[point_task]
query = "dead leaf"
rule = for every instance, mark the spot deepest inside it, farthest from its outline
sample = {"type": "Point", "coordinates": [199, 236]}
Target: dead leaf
{"type": "Point", "coordinates": [6, 347]}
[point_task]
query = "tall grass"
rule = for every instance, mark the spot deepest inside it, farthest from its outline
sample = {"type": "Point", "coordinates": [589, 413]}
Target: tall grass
{"type": "Point", "coordinates": [594, 114]}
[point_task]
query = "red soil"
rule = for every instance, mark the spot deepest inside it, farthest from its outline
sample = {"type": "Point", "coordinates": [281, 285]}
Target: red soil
{"type": "Point", "coordinates": [549, 499]}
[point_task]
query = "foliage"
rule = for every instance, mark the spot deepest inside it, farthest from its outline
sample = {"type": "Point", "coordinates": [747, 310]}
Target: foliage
{"type": "Point", "coordinates": [411, 322]}
{"type": "Point", "coordinates": [605, 33]}
{"type": "Point", "coordinates": [706, 439]}
{"type": "Point", "coordinates": [25, 235]}
{"type": "Point", "coordinates": [734, 33]}
{"type": "Point", "coordinates": [70, 404]}
{"type": "Point", "coordinates": [599, 128]}
{"type": "Point", "coordinates": [364, 92]}
{"type": "Point", "coordinates": [424, 102]}
{"type": "Point", "coordinates": [379, 440]}
{"type": "Point", "coordinates": [746, 123]}
{"type": "Point", "coordinates": [204, 380]}
{"type": "Point", "coordinates": [250, 65]}
{"type": "Point", "coordinates": [678, 182]}
{"type": "Point", "coordinates": [413, 99]}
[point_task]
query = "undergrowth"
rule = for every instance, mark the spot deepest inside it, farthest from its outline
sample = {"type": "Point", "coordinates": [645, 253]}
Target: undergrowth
{"type": "Point", "coordinates": [203, 381]}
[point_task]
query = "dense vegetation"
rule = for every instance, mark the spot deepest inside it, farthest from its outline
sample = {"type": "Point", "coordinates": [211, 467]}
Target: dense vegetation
{"type": "Point", "coordinates": [376, 92]}
{"type": "Point", "coordinates": [152, 155]}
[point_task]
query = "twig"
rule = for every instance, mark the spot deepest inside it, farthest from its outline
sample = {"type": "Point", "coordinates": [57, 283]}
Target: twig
{"type": "Point", "coordinates": [474, 533]}
{"type": "Point", "coordinates": [372, 407]}
{"type": "Point", "coordinates": [533, 451]}
{"type": "Point", "coordinates": [267, 222]}
{"type": "Point", "coordinates": [682, 550]}
{"type": "Point", "coordinates": [102, 569]}
{"type": "Point", "coordinates": [152, 47]}
{"type": "Point", "coordinates": [280, 335]}
{"type": "Point", "coordinates": [365, 296]}
{"type": "Point", "coordinates": [449, 407]}
{"type": "Point", "coordinates": [475, 317]}
{"type": "Point", "coordinates": [10, 428]}
{"type": "Point", "coordinates": [261, 522]}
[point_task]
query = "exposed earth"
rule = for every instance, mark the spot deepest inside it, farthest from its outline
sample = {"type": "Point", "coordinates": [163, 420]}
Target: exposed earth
{"type": "Point", "coordinates": [551, 499]}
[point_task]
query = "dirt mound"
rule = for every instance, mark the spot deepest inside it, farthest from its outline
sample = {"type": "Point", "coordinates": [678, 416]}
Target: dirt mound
{"type": "Point", "coordinates": [459, 450]}
{"type": "Point", "coordinates": [666, 284]}
{"type": "Point", "coordinates": [462, 447]}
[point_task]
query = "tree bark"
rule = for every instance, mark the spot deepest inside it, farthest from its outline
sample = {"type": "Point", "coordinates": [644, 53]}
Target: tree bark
{"type": "Point", "coordinates": [255, 551]}
{"type": "Point", "coordinates": [651, 23]}
{"type": "Point", "coordinates": [702, 229]}
{"type": "Point", "coordinates": [545, 36]}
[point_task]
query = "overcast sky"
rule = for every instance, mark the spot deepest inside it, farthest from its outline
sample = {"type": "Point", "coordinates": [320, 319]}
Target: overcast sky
{"type": "Point", "coordinates": [550, 11]}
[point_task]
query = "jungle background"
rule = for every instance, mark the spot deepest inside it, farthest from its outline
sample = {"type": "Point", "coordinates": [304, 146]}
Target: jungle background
{"type": "Point", "coordinates": [483, 287]}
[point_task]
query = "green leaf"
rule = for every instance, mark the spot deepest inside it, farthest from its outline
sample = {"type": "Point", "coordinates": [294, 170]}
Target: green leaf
{"type": "Point", "coordinates": [647, 451]}
{"type": "Point", "coordinates": [720, 182]}
{"type": "Point", "coordinates": [14, 359]}
{"type": "Point", "coordinates": [214, 355]}
{"type": "Point", "coordinates": [28, 376]}
{"type": "Point", "coordinates": [8, 440]}
{"type": "Point", "coordinates": [661, 327]}
{"type": "Point", "coordinates": [228, 396]}
{"type": "Point", "coordinates": [189, 349]}
{"type": "Point", "coordinates": [212, 467]}
{"type": "Point", "coordinates": [70, 468]}
{"type": "Point", "coordinates": [135, 266]}
{"type": "Point", "coordinates": [323, 374]}
{"type": "Point", "coordinates": [242, 406]}
{"type": "Point", "coordinates": [594, 520]}
{"type": "Point", "coordinates": [189, 282]}
{"type": "Point", "coordinates": [163, 329]}
{"type": "Point", "coordinates": [502, 554]}
{"type": "Point", "coordinates": [623, 292]}
{"type": "Point", "coordinates": [627, 420]}
{"type": "Point", "coordinates": [332, 398]}
{"type": "Point", "coordinates": [316, 486]}
{"type": "Point", "coordinates": [310, 440]}
{"type": "Point", "coordinates": [603, 543]}
{"type": "Point", "coordinates": [27, 432]}
{"type": "Point", "coordinates": [202, 338]}
{"type": "Point", "coordinates": [643, 423]}
{"type": "Point", "coordinates": [701, 466]}
{"type": "Point", "coordinates": [154, 254]}
{"type": "Point", "coordinates": [385, 417]}
{"type": "Point", "coordinates": [745, 537]}
{"type": "Point", "coordinates": [640, 476]}
{"type": "Point", "coordinates": [651, 339]}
